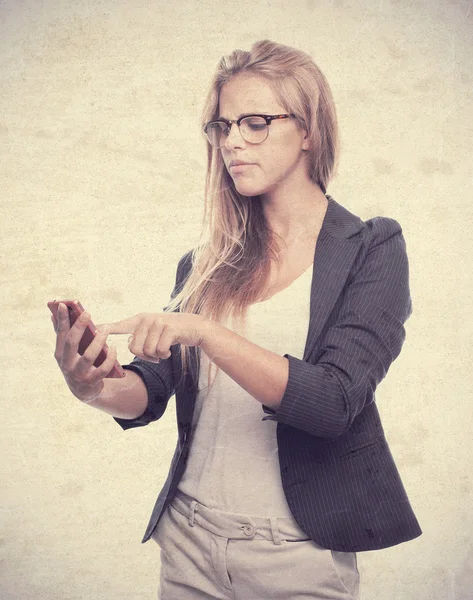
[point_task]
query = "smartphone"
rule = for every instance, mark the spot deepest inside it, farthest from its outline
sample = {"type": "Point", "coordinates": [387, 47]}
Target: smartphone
{"type": "Point", "coordinates": [75, 308]}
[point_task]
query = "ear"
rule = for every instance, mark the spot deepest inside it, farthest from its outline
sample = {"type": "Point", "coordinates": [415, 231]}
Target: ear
{"type": "Point", "coordinates": [305, 142]}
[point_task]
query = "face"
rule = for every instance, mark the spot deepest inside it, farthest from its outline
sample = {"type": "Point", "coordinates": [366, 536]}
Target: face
{"type": "Point", "coordinates": [275, 161]}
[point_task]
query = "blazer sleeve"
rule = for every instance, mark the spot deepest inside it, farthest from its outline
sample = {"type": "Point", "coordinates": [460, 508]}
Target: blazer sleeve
{"type": "Point", "coordinates": [358, 349]}
{"type": "Point", "coordinates": [158, 377]}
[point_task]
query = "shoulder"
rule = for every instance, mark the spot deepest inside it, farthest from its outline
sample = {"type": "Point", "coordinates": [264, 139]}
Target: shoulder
{"type": "Point", "coordinates": [185, 262]}
{"type": "Point", "coordinates": [384, 236]}
{"type": "Point", "coordinates": [382, 232]}
{"type": "Point", "coordinates": [343, 224]}
{"type": "Point", "coordinates": [382, 254]}
{"type": "Point", "coordinates": [184, 266]}
{"type": "Point", "coordinates": [380, 229]}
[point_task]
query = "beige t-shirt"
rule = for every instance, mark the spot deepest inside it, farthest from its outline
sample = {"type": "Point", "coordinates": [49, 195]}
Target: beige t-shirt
{"type": "Point", "coordinates": [233, 463]}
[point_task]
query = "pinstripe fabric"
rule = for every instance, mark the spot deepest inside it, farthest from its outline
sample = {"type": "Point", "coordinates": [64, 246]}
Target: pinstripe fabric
{"type": "Point", "coordinates": [338, 474]}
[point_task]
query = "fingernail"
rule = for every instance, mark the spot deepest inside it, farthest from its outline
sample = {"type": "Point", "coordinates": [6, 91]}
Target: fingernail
{"type": "Point", "coordinates": [130, 339]}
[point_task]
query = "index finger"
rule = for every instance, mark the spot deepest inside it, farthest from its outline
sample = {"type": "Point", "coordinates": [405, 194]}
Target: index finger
{"type": "Point", "coordinates": [62, 325]}
{"type": "Point", "coordinates": [124, 326]}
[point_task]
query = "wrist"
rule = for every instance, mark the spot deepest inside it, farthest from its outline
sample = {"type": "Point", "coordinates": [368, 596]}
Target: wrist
{"type": "Point", "coordinates": [207, 328]}
{"type": "Point", "coordinates": [93, 395]}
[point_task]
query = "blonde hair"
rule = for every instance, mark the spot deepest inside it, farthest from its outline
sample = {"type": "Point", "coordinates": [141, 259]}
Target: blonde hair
{"type": "Point", "coordinates": [232, 265]}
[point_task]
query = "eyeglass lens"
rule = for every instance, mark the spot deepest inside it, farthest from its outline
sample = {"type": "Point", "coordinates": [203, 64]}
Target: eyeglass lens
{"type": "Point", "coordinates": [252, 129]}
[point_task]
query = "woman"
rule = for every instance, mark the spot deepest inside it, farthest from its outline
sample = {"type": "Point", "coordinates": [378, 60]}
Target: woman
{"type": "Point", "coordinates": [300, 305]}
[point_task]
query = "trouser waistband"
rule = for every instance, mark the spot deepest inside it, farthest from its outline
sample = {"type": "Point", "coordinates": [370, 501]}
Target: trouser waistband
{"type": "Point", "coordinates": [237, 525]}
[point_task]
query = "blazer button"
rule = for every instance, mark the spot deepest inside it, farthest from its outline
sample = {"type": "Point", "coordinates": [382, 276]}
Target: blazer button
{"type": "Point", "coordinates": [248, 529]}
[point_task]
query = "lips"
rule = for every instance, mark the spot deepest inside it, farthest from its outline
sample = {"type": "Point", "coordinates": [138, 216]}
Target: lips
{"type": "Point", "coordinates": [239, 169]}
{"type": "Point", "coordinates": [236, 163]}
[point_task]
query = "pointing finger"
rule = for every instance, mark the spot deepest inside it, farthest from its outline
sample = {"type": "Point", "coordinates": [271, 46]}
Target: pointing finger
{"type": "Point", "coordinates": [124, 326]}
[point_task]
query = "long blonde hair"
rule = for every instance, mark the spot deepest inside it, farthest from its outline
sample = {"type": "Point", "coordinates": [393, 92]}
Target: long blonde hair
{"type": "Point", "coordinates": [232, 265]}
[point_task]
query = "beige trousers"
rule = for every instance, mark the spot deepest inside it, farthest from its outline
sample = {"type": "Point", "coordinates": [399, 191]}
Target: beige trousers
{"type": "Point", "coordinates": [208, 554]}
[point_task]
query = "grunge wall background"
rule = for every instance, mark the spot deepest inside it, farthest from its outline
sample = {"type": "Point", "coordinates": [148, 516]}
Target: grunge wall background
{"type": "Point", "coordinates": [102, 170]}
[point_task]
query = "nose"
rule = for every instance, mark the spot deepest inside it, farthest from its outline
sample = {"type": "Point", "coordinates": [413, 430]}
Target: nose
{"type": "Point", "coordinates": [234, 138]}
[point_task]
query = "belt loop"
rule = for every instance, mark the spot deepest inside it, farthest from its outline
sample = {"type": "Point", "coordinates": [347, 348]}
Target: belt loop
{"type": "Point", "coordinates": [193, 507]}
{"type": "Point", "coordinates": [275, 531]}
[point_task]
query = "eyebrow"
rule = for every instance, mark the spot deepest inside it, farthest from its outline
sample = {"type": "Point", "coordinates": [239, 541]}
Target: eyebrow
{"type": "Point", "coordinates": [243, 115]}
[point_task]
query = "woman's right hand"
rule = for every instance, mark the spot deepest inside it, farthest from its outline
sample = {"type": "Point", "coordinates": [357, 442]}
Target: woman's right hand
{"type": "Point", "coordinates": [84, 380]}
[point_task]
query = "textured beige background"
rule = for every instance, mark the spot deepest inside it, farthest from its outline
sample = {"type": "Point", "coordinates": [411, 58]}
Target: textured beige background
{"type": "Point", "coordinates": [102, 171]}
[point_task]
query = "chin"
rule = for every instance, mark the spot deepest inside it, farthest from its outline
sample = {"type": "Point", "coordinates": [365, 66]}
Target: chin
{"type": "Point", "coordinates": [248, 189]}
{"type": "Point", "coordinates": [248, 193]}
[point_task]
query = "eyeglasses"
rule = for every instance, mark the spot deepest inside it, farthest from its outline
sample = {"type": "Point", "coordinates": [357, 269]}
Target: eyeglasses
{"type": "Point", "coordinates": [253, 128]}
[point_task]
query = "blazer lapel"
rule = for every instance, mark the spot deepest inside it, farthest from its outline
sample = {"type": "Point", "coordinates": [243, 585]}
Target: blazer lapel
{"type": "Point", "coordinates": [335, 252]}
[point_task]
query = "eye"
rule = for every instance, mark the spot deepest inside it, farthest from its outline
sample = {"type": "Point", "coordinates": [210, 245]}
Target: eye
{"type": "Point", "coordinates": [254, 123]}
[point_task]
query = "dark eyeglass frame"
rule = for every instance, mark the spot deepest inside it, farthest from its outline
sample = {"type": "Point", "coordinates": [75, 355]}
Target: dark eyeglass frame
{"type": "Point", "coordinates": [228, 123]}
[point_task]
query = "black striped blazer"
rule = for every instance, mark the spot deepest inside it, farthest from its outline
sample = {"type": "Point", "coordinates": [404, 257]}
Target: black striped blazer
{"type": "Point", "coordinates": [338, 474]}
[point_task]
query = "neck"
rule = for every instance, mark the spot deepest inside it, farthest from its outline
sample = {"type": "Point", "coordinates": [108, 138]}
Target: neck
{"type": "Point", "coordinates": [299, 221]}
{"type": "Point", "coordinates": [295, 206]}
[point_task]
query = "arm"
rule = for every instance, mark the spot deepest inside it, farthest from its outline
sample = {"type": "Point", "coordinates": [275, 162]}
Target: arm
{"type": "Point", "coordinates": [124, 398]}
{"type": "Point", "coordinates": [260, 372]}
{"type": "Point", "coordinates": [366, 336]}
{"type": "Point", "coordinates": [153, 383]}
{"type": "Point", "coordinates": [356, 352]}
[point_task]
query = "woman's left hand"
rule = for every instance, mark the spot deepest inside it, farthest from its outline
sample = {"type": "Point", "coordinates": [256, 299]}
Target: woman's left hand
{"type": "Point", "coordinates": [153, 334]}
